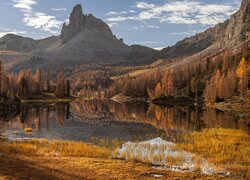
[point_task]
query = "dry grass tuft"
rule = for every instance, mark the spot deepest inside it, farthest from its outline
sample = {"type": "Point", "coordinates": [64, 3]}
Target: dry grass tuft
{"type": "Point", "coordinates": [55, 148]}
{"type": "Point", "coordinates": [229, 149]}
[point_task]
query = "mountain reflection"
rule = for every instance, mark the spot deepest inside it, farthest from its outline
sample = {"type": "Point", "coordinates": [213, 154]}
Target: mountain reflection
{"type": "Point", "coordinates": [179, 119]}
{"type": "Point", "coordinates": [167, 119]}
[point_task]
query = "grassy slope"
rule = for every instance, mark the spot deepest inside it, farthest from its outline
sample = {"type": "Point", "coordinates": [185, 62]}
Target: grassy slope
{"type": "Point", "coordinates": [229, 149]}
{"type": "Point", "coordinates": [176, 62]}
{"type": "Point", "coordinates": [43, 159]}
{"type": "Point", "coordinates": [82, 168]}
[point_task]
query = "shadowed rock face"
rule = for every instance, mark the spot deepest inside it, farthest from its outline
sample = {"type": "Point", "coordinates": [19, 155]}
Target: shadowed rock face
{"type": "Point", "coordinates": [79, 22]}
{"type": "Point", "coordinates": [76, 23]}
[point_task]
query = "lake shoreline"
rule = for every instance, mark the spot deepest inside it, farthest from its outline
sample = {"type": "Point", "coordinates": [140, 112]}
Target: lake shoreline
{"type": "Point", "coordinates": [46, 98]}
{"type": "Point", "coordinates": [236, 106]}
{"type": "Point", "coordinates": [73, 160]}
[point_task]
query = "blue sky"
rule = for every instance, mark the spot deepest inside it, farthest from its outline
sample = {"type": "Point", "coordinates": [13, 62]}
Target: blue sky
{"type": "Point", "coordinates": [153, 23]}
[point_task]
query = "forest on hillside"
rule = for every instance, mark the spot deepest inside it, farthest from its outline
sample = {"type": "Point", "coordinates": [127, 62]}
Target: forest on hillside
{"type": "Point", "coordinates": [213, 78]}
{"type": "Point", "coordinates": [216, 78]}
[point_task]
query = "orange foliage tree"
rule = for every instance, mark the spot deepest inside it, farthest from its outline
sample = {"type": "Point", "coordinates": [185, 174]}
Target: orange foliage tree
{"type": "Point", "coordinates": [242, 72]}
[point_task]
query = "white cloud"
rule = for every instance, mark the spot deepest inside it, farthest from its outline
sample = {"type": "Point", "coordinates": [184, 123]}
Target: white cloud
{"type": "Point", "coordinates": [67, 21]}
{"type": "Point", "coordinates": [144, 5]}
{"type": "Point", "coordinates": [189, 32]}
{"type": "Point", "coordinates": [37, 20]}
{"type": "Point", "coordinates": [145, 26]}
{"type": "Point", "coordinates": [42, 21]}
{"type": "Point", "coordinates": [146, 42]}
{"type": "Point", "coordinates": [120, 18]}
{"type": "Point", "coordinates": [114, 13]}
{"type": "Point", "coordinates": [138, 27]}
{"type": "Point", "coordinates": [151, 26]}
{"type": "Point", "coordinates": [112, 24]}
{"type": "Point", "coordinates": [58, 9]}
{"type": "Point", "coordinates": [159, 48]}
{"type": "Point", "coordinates": [24, 5]}
{"type": "Point", "coordinates": [181, 12]}
{"type": "Point", "coordinates": [5, 31]}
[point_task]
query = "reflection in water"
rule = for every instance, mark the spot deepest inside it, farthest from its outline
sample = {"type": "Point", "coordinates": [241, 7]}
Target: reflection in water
{"type": "Point", "coordinates": [84, 119]}
{"type": "Point", "coordinates": [169, 119]}
{"type": "Point", "coordinates": [62, 112]}
{"type": "Point", "coordinates": [32, 115]}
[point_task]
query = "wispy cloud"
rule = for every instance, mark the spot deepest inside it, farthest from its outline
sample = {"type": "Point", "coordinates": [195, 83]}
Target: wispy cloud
{"type": "Point", "coordinates": [188, 32]}
{"type": "Point", "coordinates": [122, 18]}
{"type": "Point", "coordinates": [111, 13]}
{"type": "Point", "coordinates": [4, 31]}
{"type": "Point", "coordinates": [58, 9]}
{"type": "Point", "coordinates": [145, 25]}
{"type": "Point", "coordinates": [24, 5]}
{"type": "Point", "coordinates": [159, 48]}
{"type": "Point", "coordinates": [111, 24]}
{"type": "Point", "coordinates": [145, 42]}
{"type": "Point", "coordinates": [180, 12]}
{"type": "Point", "coordinates": [115, 13]}
{"type": "Point", "coordinates": [37, 20]}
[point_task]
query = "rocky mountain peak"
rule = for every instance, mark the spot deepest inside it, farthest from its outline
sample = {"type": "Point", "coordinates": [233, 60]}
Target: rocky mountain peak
{"type": "Point", "coordinates": [76, 23]}
{"type": "Point", "coordinates": [237, 27]}
{"type": "Point", "coordinates": [76, 13]}
{"type": "Point", "coordinates": [77, 19]}
{"type": "Point", "coordinates": [245, 3]}
{"type": "Point", "coordinates": [245, 10]}
{"type": "Point", "coordinates": [79, 22]}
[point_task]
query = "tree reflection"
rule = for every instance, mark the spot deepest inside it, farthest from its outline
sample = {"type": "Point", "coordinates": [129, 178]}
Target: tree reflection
{"type": "Point", "coordinates": [35, 116]}
{"type": "Point", "coordinates": [62, 112]}
{"type": "Point", "coordinates": [172, 120]}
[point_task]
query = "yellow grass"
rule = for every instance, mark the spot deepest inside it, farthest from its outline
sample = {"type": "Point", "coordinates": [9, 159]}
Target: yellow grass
{"type": "Point", "coordinates": [108, 143]}
{"type": "Point", "coordinates": [229, 149]}
{"type": "Point", "coordinates": [43, 147]}
{"type": "Point", "coordinates": [43, 159]}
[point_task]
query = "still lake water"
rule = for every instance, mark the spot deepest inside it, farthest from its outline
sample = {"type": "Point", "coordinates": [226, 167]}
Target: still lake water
{"type": "Point", "coordinates": [86, 120]}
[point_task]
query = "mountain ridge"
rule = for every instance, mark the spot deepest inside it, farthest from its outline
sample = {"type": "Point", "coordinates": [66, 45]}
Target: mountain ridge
{"type": "Point", "coordinates": [227, 34]}
{"type": "Point", "coordinates": [87, 39]}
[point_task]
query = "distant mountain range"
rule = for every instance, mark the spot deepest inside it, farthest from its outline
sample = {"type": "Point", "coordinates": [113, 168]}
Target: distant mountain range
{"type": "Point", "coordinates": [87, 39]}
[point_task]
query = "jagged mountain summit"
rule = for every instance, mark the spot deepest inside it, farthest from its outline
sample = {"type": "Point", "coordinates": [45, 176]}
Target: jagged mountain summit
{"type": "Point", "coordinates": [80, 22]}
{"type": "Point", "coordinates": [86, 39]}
